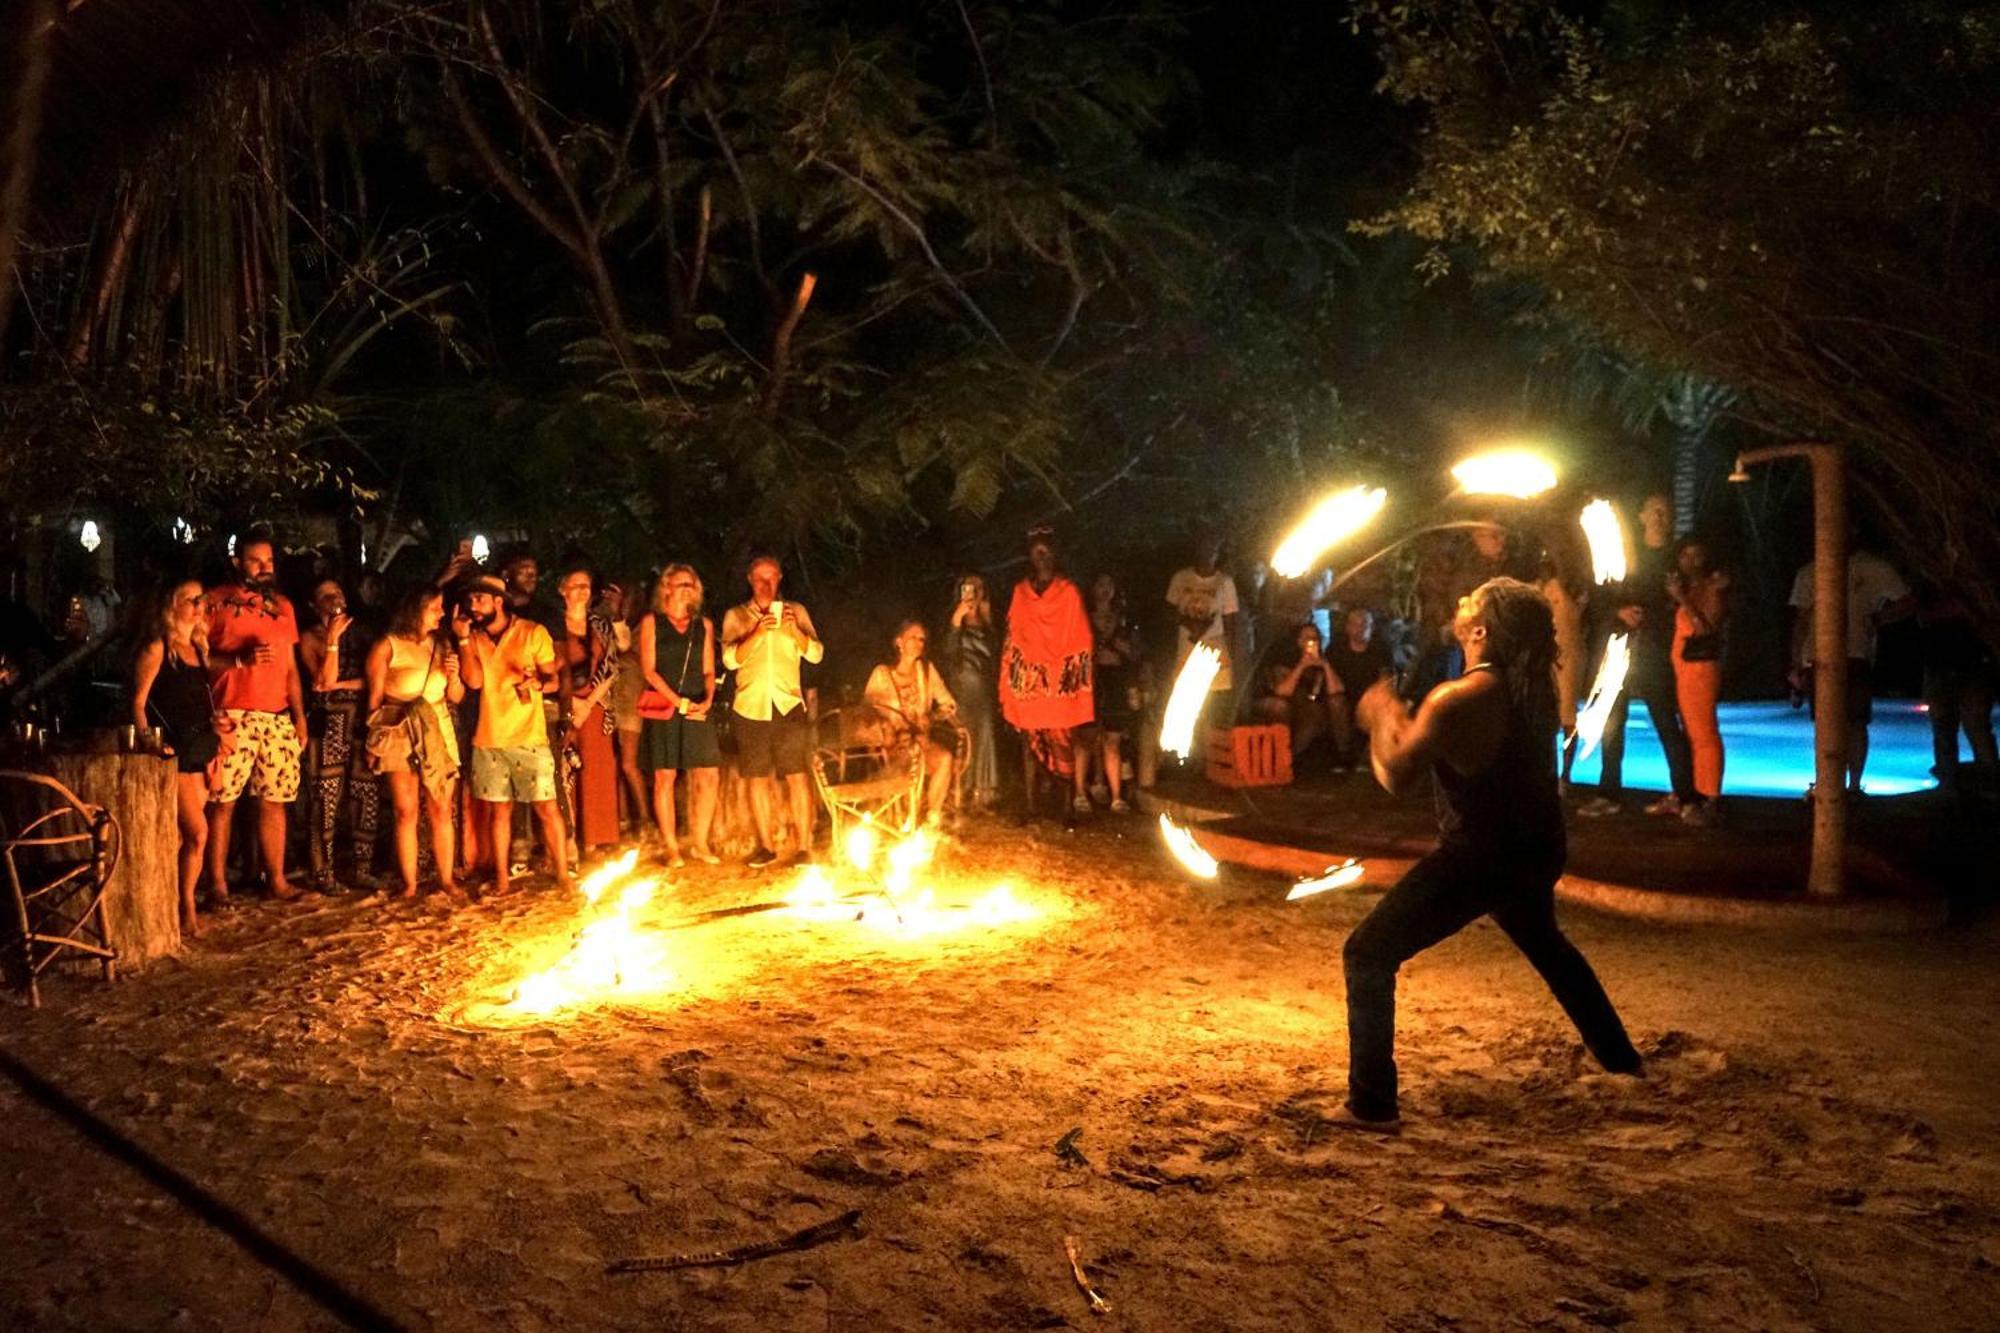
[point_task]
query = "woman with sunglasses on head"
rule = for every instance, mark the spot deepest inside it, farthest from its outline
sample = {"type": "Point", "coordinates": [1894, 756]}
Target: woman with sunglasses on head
{"type": "Point", "coordinates": [677, 655]}
{"type": "Point", "coordinates": [170, 691]}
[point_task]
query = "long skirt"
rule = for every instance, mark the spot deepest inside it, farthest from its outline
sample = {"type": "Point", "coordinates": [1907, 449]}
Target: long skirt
{"type": "Point", "coordinates": [596, 800]}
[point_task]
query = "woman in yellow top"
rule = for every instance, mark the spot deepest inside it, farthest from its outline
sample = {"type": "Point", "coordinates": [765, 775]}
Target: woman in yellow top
{"type": "Point", "coordinates": [907, 698]}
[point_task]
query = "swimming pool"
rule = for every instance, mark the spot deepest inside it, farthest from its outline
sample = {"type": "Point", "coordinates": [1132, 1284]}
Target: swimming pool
{"type": "Point", "coordinates": [1768, 749]}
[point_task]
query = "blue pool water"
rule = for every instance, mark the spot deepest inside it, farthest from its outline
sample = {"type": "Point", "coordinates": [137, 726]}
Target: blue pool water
{"type": "Point", "coordinates": [1768, 751]}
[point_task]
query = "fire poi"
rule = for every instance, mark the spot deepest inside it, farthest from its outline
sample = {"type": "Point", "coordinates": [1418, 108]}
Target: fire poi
{"type": "Point", "coordinates": [1186, 850]}
{"type": "Point", "coordinates": [1348, 872]}
{"type": "Point", "coordinates": [1330, 522]}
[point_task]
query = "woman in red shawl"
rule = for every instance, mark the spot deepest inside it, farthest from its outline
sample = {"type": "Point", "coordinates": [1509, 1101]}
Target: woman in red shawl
{"type": "Point", "coordinates": [1045, 681]}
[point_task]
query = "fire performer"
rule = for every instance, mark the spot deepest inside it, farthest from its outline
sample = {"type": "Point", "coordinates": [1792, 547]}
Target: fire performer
{"type": "Point", "coordinates": [1045, 672]}
{"type": "Point", "coordinates": [1488, 740]}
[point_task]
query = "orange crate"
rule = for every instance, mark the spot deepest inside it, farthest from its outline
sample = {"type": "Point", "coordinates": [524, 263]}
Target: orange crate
{"type": "Point", "coordinates": [1250, 756]}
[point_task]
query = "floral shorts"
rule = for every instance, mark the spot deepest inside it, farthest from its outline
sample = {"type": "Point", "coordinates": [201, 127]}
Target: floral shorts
{"type": "Point", "coordinates": [526, 774]}
{"type": "Point", "coordinates": [259, 751]}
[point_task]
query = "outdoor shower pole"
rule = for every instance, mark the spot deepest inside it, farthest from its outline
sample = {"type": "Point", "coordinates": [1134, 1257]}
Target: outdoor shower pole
{"type": "Point", "coordinates": [1827, 876]}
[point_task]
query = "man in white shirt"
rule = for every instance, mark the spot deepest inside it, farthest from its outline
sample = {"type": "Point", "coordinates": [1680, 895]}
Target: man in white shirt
{"type": "Point", "coordinates": [1876, 594]}
{"type": "Point", "coordinates": [1204, 599]}
{"type": "Point", "coordinates": [763, 641]}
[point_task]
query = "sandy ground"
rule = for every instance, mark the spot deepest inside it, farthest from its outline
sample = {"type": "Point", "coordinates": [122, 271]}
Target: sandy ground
{"type": "Point", "coordinates": [1813, 1147]}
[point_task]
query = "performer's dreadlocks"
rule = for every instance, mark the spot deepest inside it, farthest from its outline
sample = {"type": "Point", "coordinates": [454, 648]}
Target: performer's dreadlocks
{"type": "Point", "coordinates": [1521, 641]}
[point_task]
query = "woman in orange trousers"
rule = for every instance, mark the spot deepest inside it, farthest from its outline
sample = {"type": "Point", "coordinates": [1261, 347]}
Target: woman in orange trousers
{"type": "Point", "coordinates": [1700, 592]}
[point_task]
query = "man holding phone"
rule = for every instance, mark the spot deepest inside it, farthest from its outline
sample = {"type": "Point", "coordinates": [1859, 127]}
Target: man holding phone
{"type": "Point", "coordinates": [764, 640]}
{"type": "Point", "coordinates": [511, 661]}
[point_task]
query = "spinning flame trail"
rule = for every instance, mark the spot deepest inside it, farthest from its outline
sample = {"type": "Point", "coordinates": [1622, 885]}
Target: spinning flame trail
{"type": "Point", "coordinates": [1189, 694]}
{"type": "Point", "coordinates": [1186, 850]}
{"type": "Point", "coordinates": [1332, 520]}
{"type": "Point", "coordinates": [1590, 719]}
{"type": "Point", "coordinates": [1517, 473]}
{"type": "Point", "coordinates": [1609, 561]}
{"type": "Point", "coordinates": [1336, 877]}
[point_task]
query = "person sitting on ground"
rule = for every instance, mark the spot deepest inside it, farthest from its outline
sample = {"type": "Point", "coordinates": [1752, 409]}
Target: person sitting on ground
{"type": "Point", "coordinates": [170, 691]}
{"type": "Point", "coordinates": [253, 674]}
{"type": "Point", "coordinates": [335, 653]}
{"type": "Point", "coordinates": [1307, 696]}
{"type": "Point", "coordinates": [1046, 692]}
{"type": "Point", "coordinates": [511, 661]}
{"type": "Point", "coordinates": [1360, 658]}
{"type": "Point", "coordinates": [764, 641]}
{"type": "Point", "coordinates": [677, 735]}
{"type": "Point", "coordinates": [1487, 742]}
{"type": "Point", "coordinates": [912, 707]}
{"type": "Point", "coordinates": [414, 681]}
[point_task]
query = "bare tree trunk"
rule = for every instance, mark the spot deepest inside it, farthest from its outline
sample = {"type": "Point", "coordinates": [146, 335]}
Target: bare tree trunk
{"type": "Point", "coordinates": [781, 342]}
{"type": "Point", "coordinates": [34, 30]}
{"type": "Point", "coordinates": [110, 273]}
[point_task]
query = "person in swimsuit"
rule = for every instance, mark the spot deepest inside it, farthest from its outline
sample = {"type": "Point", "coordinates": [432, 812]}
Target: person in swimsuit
{"type": "Point", "coordinates": [170, 691]}
{"type": "Point", "coordinates": [1488, 741]}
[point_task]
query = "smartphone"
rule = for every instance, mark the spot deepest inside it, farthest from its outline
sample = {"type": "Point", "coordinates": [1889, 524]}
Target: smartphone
{"type": "Point", "coordinates": [778, 611]}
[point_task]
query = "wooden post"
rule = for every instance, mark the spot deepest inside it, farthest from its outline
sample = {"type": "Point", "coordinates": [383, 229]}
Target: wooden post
{"type": "Point", "coordinates": [1827, 876]}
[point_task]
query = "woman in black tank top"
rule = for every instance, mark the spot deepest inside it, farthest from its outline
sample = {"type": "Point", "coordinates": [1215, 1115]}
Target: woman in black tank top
{"type": "Point", "coordinates": [170, 691]}
{"type": "Point", "coordinates": [1500, 839]}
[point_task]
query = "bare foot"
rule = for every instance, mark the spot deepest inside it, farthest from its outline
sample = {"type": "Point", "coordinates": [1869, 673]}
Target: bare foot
{"type": "Point", "coordinates": [409, 892]}
{"type": "Point", "coordinates": [190, 925]}
{"type": "Point", "coordinates": [454, 894]}
{"type": "Point", "coordinates": [285, 893]}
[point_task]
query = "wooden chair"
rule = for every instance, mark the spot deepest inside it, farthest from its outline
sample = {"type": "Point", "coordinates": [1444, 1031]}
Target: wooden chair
{"type": "Point", "coordinates": [58, 855]}
{"type": "Point", "coordinates": [859, 780]}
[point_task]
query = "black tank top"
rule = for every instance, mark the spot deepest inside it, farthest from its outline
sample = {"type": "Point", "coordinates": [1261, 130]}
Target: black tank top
{"type": "Point", "coordinates": [180, 702]}
{"type": "Point", "coordinates": [1511, 806]}
{"type": "Point", "coordinates": [677, 654]}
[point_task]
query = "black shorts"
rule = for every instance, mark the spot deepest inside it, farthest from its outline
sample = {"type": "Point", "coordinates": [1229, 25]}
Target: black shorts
{"type": "Point", "coordinates": [779, 747]}
{"type": "Point", "coordinates": [1860, 691]}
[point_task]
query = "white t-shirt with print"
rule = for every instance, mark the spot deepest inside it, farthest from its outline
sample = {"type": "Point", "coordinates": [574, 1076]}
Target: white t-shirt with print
{"type": "Point", "coordinates": [1204, 597]}
{"type": "Point", "coordinates": [1872, 583]}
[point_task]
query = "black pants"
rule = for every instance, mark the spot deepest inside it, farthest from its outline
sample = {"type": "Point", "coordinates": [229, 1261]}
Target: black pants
{"type": "Point", "coordinates": [1959, 697]}
{"type": "Point", "coordinates": [1656, 689]}
{"type": "Point", "coordinates": [1443, 893]}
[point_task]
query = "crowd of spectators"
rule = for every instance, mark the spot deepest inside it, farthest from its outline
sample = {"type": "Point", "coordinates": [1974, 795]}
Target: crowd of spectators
{"type": "Point", "coordinates": [499, 716]}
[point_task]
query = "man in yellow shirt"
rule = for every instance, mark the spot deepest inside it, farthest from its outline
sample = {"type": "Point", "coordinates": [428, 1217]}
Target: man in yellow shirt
{"type": "Point", "coordinates": [511, 661]}
{"type": "Point", "coordinates": [763, 642]}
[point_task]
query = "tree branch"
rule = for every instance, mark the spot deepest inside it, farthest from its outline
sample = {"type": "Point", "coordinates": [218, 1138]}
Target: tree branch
{"type": "Point", "coordinates": [916, 229]}
{"type": "Point", "coordinates": [781, 342]}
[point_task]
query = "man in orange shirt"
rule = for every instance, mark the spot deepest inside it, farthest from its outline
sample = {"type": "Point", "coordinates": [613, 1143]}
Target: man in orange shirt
{"type": "Point", "coordinates": [260, 711]}
{"type": "Point", "coordinates": [511, 661]}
